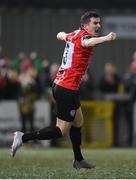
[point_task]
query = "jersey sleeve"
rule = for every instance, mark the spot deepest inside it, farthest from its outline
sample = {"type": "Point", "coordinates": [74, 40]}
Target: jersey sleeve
{"type": "Point", "coordinates": [69, 36]}
{"type": "Point", "coordinates": [84, 40]}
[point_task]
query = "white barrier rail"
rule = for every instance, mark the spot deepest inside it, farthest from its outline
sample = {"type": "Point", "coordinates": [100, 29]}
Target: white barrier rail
{"type": "Point", "coordinates": [10, 119]}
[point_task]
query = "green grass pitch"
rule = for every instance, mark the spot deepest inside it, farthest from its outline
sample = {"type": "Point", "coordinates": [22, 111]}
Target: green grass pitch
{"type": "Point", "coordinates": [55, 163]}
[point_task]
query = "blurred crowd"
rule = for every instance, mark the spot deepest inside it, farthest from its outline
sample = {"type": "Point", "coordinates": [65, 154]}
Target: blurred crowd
{"type": "Point", "coordinates": [27, 78]}
{"type": "Point", "coordinates": [25, 73]}
{"type": "Point", "coordinates": [33, 75]}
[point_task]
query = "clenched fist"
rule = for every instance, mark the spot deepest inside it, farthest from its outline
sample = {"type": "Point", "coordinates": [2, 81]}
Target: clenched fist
{"type": "Point", "coordinates": [111, 36]}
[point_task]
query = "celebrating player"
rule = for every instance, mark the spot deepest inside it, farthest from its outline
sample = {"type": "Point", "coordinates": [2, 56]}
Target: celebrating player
{"type": "Point", "coordinates": [77, 53]}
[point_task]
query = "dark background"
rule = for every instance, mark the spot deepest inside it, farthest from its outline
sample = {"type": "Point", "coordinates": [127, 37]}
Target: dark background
{"type": "Point", "coordinates": [70, 3]}
{"type": "Point", "coordinates": [32, 25]}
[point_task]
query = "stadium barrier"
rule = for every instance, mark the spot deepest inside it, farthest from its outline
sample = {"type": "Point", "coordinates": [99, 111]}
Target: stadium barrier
{"type": "Point", "coordinates": [10, 120]}
{"type": "Point", "coordinates": [106, 123]}
{"type": "Point", "coordinates": [98, 125]}
{"type": "Point", "coordinates": [123, 119]}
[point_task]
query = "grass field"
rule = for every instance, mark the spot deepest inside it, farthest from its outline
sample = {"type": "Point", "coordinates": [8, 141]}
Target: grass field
{"type": "Point", "coordinates": [57, 164]}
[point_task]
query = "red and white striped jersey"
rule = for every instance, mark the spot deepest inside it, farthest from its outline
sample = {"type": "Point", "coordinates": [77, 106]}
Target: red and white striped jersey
{"type": "Point", "coordinates": [75, 60]}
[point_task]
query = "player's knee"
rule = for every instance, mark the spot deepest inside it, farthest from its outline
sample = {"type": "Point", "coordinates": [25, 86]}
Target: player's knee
{"type": "Point", "coordinates": [63, 126]}
{"type": "Point", "coordinates": [64, 130]}
{"type": "Point", "coordinates": [78, 123]}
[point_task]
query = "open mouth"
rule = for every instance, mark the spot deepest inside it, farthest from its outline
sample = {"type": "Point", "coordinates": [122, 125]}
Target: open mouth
{"type": "Point", "coordinates": [96, 32]}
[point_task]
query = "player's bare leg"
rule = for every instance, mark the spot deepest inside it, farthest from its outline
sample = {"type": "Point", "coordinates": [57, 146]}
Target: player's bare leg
{"type": "Point", "coordinates": [75, 136]}
{"type": "Point", "coordinates": [79, 120]}
{"type": "Point", "coordinates": [63, 125]}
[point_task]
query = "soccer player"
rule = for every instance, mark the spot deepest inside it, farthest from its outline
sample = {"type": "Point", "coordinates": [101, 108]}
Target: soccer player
{"type": "Point", "coordinates": [77, 53]}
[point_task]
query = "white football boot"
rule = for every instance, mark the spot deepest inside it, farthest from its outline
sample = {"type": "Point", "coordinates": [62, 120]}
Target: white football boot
{"type": "Point", "coordinates": [17, 142]}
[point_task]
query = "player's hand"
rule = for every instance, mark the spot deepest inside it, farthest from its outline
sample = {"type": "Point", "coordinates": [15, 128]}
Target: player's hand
{"type": "Point", "coordinates": [61, 36]}
{"type": "Point", "coordinates": [111, 36]}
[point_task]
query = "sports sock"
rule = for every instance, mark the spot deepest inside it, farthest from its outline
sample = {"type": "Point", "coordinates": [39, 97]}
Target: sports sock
{"type": "Point", "coordinates": [43, 134]}
{"type": "Point", "coordinates": [75, 136]}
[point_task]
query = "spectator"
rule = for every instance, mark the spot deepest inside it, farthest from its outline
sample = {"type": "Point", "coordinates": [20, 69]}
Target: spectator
{"type": "Point", "coordinates": [26, 63]}
{"type": "Point", "coordinates": [130, 79]}
{"type": "Point", "coordinates": [52, 74]}
{"type": "Point", "coordinates": [109, 84]}
{"type": "Point", "coordinates": [15, 63]}
{"type": "Point", "coordinates": [130, 88]}
{"type": "Point", "coordinates": [43, 77]}
{"type": "Point", "coordinates": [110, 81]}
{"type": "Point", "coordinates": [13, 85]}
{"type": "Point", "coordinates": [28, 96]}
{"type": "Point", "coordinates": [87, 87]}
{"type": "Point", "coordinates": [36, 61]}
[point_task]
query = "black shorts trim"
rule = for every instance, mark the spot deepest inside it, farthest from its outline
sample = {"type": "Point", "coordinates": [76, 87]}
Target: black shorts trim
{"type": "Point", "coordinates": [67, 102]}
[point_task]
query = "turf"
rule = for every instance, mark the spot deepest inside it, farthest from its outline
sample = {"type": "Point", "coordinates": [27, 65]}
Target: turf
{"type": "Point", "coordinates": [57, 164]}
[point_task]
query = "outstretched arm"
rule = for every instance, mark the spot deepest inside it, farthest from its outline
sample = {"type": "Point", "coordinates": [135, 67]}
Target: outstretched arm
{"type": "Point", "coordinates": [62, 36]}
{"type": "Point", "coordinates": [98, 40]}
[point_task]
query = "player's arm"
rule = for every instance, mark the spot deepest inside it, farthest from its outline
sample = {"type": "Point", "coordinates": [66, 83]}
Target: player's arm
{"type": "Point", "coordinates": [62, 36]}
{"type": "Point", "coordinates": [98, 40]}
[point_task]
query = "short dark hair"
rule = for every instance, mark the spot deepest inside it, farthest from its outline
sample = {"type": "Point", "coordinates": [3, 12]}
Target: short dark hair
{"type": "Point", "coordinates": [85, 18]}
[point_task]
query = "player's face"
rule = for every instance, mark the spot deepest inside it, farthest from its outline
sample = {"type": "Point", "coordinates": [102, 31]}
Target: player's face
{"type": "Point", "coordinates": [93, 26]}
